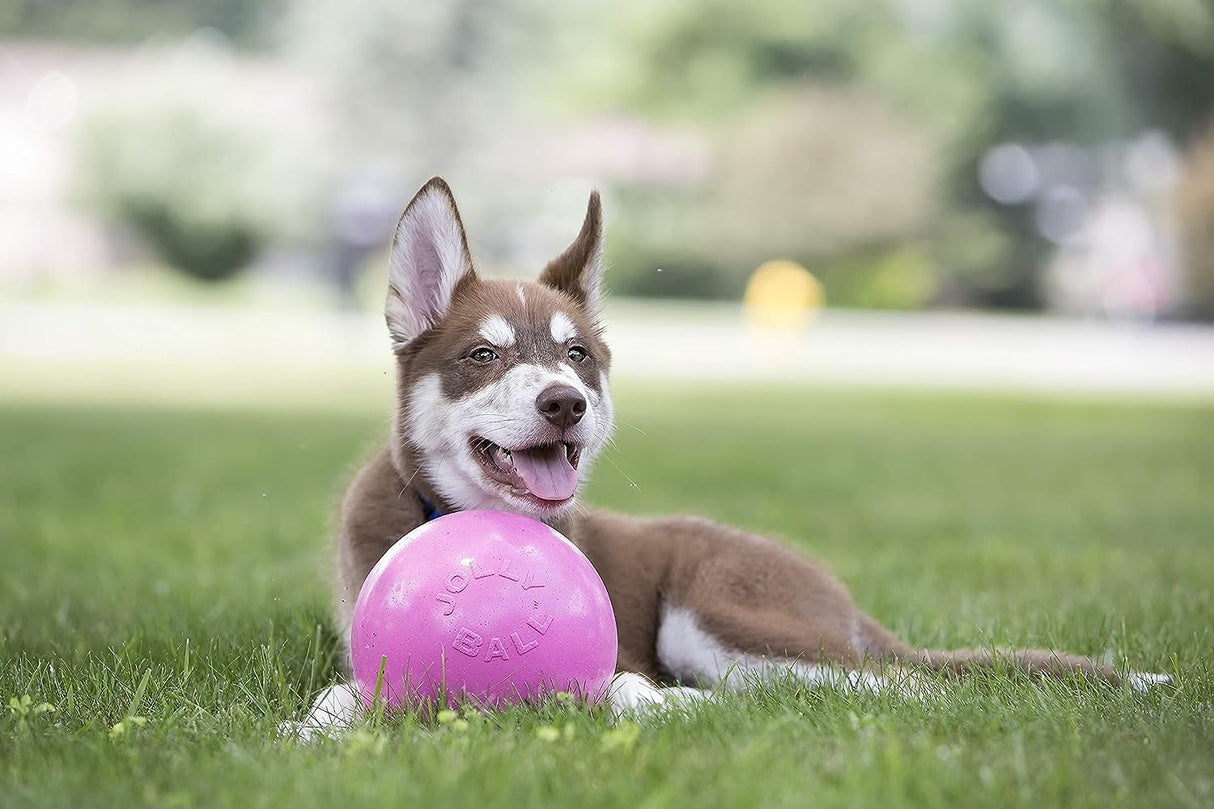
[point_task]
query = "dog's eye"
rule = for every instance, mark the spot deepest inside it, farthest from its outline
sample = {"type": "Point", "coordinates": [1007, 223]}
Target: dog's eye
{"type": "Point", "coordinates": [483, 355]}
{"type": "Point", "coordinates": [577, 353]}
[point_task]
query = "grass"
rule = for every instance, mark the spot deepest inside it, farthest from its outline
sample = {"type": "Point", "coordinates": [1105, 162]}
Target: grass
{"type": "Point", "coordinates": [163, 586]}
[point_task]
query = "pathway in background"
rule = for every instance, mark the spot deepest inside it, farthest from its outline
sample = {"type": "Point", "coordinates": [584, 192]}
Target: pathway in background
{"type": "Point", "coordinates": [933, 350]}
{"type": "Point", "coordinates": [61, 349]}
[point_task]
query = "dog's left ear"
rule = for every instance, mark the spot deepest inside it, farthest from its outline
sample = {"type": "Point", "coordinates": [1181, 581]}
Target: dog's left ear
{"type": "Point", "coordinates": [579, 270]}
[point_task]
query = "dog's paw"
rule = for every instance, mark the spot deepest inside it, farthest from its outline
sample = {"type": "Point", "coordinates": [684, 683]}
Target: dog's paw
{"type": "Point", "coordinates": [1143, 681]}
{"type": "Point", "coordinates": [631, 694]}
{"type": "Point", "coordinates": [334, 710]}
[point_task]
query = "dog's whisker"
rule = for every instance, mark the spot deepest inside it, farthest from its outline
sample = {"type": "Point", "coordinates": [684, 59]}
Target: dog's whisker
{"type": "Point", "coordinates": [409, 482]}
{"type": "Point", "coordinates": [627, 477]}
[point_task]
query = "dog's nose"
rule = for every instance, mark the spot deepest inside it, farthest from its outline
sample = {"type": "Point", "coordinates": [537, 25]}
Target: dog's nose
{"type": "Point", "coordinates": [561, 405]}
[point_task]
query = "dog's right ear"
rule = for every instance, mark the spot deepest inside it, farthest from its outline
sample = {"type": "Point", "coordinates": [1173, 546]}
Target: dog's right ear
{"type": "Point", "coordinates": [429, 259]}
{"type": "Point", "coordinates": [579, 270]}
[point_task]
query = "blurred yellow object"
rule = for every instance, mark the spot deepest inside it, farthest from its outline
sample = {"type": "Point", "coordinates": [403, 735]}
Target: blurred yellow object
{"type": "Point", "coordinates": [782, 295]}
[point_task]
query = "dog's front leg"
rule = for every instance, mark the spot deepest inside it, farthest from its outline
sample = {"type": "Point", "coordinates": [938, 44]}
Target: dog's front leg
{"type": "Point", "coordinates": [337, 707]}
{"type": "Point", "coordinates": [334, 710]}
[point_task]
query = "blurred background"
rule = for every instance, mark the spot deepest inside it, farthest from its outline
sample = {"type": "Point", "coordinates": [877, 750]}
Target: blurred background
{"type": "Point", "coordinates": [196, 195]}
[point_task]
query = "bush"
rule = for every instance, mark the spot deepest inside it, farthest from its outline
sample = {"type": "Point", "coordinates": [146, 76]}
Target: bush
{"type": "Point", "coordinates": [186, 161]}
{"type": "Point", "coordinates": [903, 278]}
{"type": "Point", "coordinates": [208, 251]}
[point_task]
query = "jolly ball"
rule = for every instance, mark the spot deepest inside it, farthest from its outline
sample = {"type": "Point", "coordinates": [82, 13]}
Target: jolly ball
{"type": "Point", "coordinates": [486, 607]}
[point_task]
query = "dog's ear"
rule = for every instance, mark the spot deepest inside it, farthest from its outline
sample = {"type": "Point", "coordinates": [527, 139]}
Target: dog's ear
{"type": "Point", "coordinates": [579, 270]}
{"type": "Point", "coordinates": [429, 259]}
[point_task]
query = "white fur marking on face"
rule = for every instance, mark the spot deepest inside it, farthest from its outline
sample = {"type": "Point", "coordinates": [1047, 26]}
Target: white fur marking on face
{"type": "Point", "coordinates": [497, 331]}
{"type": "Point", "coordinates": [693, 655]}
{"type": "Point", "coordinates": [503, 412]}
{"type": "Point", "coordinates": [561, 328]}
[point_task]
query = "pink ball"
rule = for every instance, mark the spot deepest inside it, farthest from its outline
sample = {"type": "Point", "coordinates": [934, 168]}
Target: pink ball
{"type": "Point", "coordinates": [486, 606]}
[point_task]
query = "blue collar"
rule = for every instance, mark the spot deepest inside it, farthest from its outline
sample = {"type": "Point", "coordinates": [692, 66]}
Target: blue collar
{"type": "Point", "coordinates": [432, 511]}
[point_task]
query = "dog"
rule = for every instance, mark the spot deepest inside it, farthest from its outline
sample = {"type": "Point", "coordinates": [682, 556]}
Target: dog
{"type": "Point", "coordinates": [503, 402]}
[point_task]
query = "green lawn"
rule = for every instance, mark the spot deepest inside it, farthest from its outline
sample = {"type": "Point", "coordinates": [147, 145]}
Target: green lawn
{"type": "Point", "coordinates": [170, 565]}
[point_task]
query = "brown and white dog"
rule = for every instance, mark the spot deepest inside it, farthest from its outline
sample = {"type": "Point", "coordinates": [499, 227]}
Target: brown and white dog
{"type": "Point", "coordinates": [503, 403]}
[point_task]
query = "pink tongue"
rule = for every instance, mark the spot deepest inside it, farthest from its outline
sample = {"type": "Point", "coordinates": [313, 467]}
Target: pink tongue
{"type": "Point", "coordinates": [546, 472]}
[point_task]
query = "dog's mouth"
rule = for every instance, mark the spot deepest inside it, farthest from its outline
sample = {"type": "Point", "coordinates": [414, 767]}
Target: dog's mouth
{"type": "Point", "coordinates": [545, 474]}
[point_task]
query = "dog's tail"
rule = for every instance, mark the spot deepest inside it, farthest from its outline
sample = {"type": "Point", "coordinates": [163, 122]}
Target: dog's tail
{"type": "Point", "coordinates": [1034, 663]}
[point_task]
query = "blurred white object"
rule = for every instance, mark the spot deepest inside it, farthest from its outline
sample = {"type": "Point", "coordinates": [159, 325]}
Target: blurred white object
{"type": "Point", "coordinates": [1120, 264]}
{"type": "Point", "coordinates": [1008, 174]}
{"type": "Point", "coordinates": [1108, 210]}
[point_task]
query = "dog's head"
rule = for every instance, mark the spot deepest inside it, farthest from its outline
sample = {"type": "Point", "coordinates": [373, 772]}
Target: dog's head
{"type": "Point", "coordinates": [502, 385]}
